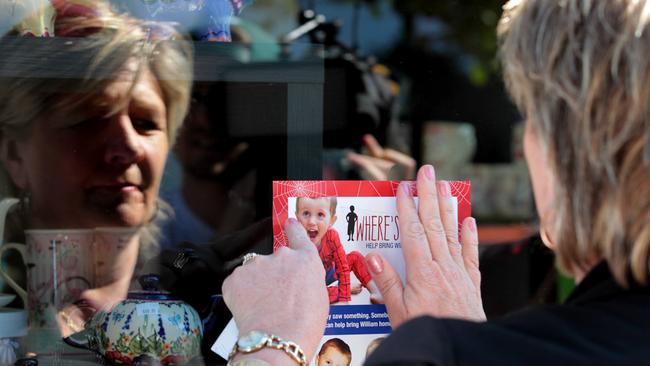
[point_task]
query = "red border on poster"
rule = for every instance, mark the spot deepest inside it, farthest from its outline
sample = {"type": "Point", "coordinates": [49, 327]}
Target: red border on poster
{"type": "Point", "coordinates": [282, 190]}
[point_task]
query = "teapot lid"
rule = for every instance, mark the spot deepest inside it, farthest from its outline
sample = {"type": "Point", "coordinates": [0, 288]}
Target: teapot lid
{"type": "Point", "coordinates": [151, 291]}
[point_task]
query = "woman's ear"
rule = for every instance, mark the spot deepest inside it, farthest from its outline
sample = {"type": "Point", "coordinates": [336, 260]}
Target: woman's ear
{"type": "Point", "coordinates": [546, 239]}
{"type": "Point", "coordinates": [13, 161]}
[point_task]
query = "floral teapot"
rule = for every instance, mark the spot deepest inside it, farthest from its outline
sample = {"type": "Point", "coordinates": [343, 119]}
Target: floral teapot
{"type": "Point", "coordinates": [149, 327]}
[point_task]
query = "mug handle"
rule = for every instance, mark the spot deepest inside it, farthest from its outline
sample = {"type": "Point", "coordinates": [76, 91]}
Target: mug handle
{"type": "Point", "coordinates": [22, 249]}
{"type": "Point", "coordinates": [5, 205]}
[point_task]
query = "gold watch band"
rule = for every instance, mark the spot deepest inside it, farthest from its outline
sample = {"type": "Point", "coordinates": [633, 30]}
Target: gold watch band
{"type": "Point", "coordinates": [291, 348]}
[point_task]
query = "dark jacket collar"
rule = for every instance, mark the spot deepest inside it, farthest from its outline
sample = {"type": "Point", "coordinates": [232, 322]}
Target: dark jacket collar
{"type": "Point", "coordinates": [600, 285]}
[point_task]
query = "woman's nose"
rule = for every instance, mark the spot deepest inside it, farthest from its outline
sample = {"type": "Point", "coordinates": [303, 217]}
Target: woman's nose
{"type": "Point", "coordinates": [124, 145]}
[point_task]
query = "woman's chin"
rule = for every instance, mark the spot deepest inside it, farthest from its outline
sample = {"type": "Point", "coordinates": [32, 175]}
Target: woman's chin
{"type": "Point", "coordinates": [129, 216]}
{"type": "Point", "coordinates": [124, 215]}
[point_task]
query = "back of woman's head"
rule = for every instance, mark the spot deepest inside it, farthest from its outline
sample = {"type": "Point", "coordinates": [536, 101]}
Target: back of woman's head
{"type": "Point", "coordinates": [90, 48]}
{"type": "Point", "coordinates": [580, 72]}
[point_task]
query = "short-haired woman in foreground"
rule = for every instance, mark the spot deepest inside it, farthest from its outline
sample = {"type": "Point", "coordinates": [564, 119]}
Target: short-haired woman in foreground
{"type": "Point", "coordinates": [579, 71]}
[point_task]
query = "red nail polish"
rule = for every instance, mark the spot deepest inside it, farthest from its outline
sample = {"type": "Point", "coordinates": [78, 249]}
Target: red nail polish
{"type": "Point", "coordinates": [444, 188]}
{"type": "Point", "coordinates": [428, 171]}
{"type": "Point", "coordinates": [406, 189]}
{"type": "Point", "coordinates": [472, 224]}
{"type": "Point", "coordinates": [376, 264]}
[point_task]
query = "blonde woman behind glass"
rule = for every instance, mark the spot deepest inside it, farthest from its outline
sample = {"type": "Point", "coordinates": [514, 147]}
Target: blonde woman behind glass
{"type": "Point", "coordinates": [86, 122]}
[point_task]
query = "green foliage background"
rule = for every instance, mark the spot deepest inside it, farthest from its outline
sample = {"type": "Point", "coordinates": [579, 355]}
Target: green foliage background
{"type": "Point", "coordinates": [471, 24]}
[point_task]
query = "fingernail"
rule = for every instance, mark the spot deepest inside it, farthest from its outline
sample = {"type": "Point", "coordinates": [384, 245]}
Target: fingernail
{"type": "Point", "coordinates": [443, 188]}
{"type": "Point", "coordinates": [406, 188]}
{"type": "Point", "coordinates": [428, 171]}
{"type": "Point", "coordinates": [292, 221]}
{"type": "Point", "coordinates": [472, 224]}
{"type": "Point", "coordinates": [376, 264]}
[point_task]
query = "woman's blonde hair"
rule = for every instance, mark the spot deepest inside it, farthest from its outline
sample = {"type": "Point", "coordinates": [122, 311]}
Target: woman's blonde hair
{"type": "Point", "coordinates": [88, 51]}
{"type": "Point", "coordinates": [580, 72]}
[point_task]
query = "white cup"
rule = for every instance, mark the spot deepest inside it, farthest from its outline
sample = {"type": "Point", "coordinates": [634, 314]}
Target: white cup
{"type": "Point", "coordinates": [59, 268]}
{"type": "Point", "coordinates": [116, 254]}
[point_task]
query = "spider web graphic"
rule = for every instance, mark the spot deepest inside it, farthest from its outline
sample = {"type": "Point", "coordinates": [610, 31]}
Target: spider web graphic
{"type": "Point", "coordinates": [462, 191]}
{"type": "Point", "coordinates": [282, 190]}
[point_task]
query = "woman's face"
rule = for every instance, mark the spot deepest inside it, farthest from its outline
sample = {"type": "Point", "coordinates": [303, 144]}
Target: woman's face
{"type": "Point", "coordinates": [97, 169]}
{"type": "Point", "coordinates": [540, 172]}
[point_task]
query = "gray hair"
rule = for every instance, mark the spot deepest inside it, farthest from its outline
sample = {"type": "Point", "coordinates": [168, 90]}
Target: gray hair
{"type": "Point", "coordinates": [580, 72]}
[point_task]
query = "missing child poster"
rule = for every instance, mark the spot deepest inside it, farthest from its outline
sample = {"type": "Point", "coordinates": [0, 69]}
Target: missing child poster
{"type": "Point", "coordinates": [346, 220]}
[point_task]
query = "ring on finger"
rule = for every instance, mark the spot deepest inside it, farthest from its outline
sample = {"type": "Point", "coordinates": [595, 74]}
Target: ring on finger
{"type": "Point", "coordinates": [248, 257]}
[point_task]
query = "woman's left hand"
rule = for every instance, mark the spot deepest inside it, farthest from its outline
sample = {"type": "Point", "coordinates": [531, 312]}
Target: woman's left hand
{"type": "Point", "coordinates": [283, 294]}
{"type": "Point", "coordinates": [442, 274]}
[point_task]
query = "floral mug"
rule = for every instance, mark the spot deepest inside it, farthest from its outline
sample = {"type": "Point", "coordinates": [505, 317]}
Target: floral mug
{"type": "Point", "coordinates": [58, 271]}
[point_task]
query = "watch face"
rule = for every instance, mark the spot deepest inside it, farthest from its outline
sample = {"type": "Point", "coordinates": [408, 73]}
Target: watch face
{"type": "Point", "coordinates": [251, 341]}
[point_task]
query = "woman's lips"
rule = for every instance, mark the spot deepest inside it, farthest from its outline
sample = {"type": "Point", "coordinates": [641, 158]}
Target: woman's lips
{"type": "Point", "coordinates": [129, 188]}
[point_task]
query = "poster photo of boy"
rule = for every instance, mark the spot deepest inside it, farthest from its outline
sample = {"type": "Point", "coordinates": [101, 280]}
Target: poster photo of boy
{"type": "Point", "coordinates": [318, 215]}
{"type": "Point", "coordinates": [334, 352]}
{"type": "Point", "coordinates": [350, 350]}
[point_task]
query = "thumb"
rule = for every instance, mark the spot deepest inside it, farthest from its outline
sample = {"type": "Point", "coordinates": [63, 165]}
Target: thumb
{"type": "Point", "coordinates": [390, 285]}
{"type": "Point", "coordinates": [297, 236]}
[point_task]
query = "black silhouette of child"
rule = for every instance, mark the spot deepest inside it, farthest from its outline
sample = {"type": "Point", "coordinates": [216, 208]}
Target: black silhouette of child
{"type": "Point", "coordinates": [351, 218]}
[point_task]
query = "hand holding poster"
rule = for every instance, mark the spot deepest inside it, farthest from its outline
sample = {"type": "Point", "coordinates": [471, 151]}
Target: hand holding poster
{"type": "Point", "coordinates": [347, 220]}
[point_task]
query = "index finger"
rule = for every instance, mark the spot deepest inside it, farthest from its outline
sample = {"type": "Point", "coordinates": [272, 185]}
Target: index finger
{"type": "Point", "coordinates": [371, 165]}
{"type": "Point", "coordinates": [414, 242]}
{"type": "Point", "coordinates": [373, 146]}
{"type": "Point", "coordinates": [297, 236]}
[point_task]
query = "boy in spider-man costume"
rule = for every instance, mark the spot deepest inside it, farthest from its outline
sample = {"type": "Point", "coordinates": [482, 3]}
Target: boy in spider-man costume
{"type": "Point", "coordinates": [318, 215]}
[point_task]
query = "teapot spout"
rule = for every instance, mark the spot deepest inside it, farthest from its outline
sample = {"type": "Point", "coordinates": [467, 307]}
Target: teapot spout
{"type": "Point", "coordinates": [82, 339]}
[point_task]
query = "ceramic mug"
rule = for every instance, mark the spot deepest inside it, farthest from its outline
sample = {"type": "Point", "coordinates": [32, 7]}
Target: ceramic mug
{"type": "Point", "coordinates": [58, 271]}
{"type": "Point", "coordinates": [116, 254]}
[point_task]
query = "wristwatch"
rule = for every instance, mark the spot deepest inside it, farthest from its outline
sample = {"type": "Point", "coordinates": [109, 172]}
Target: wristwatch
{"type": "Point", "coordinates": [256, 340]}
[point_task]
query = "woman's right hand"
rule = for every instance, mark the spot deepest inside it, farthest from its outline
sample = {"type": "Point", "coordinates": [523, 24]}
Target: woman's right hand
{"type": "Point", "coordinates": [442, 272]}
{"type": "Point", "coordinates": [283, 294]}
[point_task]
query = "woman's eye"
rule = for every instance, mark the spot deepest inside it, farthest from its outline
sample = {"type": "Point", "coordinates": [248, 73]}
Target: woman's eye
{"type": "Point", "coordinates": [142, 124]}
{"type": "Point", "coordinates": [85, 123]}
